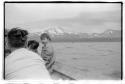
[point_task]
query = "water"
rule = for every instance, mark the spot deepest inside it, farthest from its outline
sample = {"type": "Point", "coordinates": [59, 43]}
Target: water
{"type": "Point", "coordinates": [97, 60]}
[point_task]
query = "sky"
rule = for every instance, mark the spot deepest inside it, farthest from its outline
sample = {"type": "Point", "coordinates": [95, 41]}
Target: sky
{"type": "Point", "coordinates": [75, 17]}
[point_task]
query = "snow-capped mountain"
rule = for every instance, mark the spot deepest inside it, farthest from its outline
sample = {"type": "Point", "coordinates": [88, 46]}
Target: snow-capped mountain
{"type": "Point", "coordinates": [55, 30]}
{"type": "Point", "coordinates": [111, 33]}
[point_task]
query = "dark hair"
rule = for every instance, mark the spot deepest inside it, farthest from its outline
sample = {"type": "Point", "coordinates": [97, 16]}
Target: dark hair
{"type": "Point", "coordinates": [7, 51]}
{"type": "Point", "coordinates": [17, 37]}
{"type": "Point", "coordinates": [32, 44]}
{"type": "Point", "coordinates": [45, 35]}
{"type": "Point", "coordinates": [6, 33]}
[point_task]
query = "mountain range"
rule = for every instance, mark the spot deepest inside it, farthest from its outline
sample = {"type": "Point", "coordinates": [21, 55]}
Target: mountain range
{"type": "Point", "coordinates": [58, 34]}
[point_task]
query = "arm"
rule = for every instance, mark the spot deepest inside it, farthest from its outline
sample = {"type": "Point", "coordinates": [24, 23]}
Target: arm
{"type": "Point", "coordinates": [45, 53]}
{"type": "Point", "coordinates": [51, 55]}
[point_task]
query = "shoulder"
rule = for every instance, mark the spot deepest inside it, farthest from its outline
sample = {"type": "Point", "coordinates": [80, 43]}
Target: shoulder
{"type": "Point", "coordinates": [23, 53]}
{"type": "Point", "coordinates": [23, 56]}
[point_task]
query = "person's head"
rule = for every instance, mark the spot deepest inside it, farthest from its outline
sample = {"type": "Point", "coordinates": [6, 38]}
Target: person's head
{"type": "Point", "coordinates": [17, 38]}
{"type": "Point", "coordinates": [45, 38]}
{"type": "Point", "coordinates": [33, 45]}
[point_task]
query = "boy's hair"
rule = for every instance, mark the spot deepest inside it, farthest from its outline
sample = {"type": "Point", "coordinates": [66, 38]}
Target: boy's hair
{"type": "Point", "coordinates": [45, 35]}
{"type": "Point", "coordinates": [17, 37]}
{"type": "Point", "coordinates": [32, 44]}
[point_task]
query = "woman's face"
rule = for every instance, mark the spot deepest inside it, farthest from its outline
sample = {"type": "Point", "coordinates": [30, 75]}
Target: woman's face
{"type": "Point", "coordinates": [45, 40]}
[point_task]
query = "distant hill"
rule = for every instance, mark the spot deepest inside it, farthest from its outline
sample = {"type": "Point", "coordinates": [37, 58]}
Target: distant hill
{"type": "Point", "coordinates": [58, 34]}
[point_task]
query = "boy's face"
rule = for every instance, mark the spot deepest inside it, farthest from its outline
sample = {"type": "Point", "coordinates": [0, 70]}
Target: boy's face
{"type": "Point", "coordinates": [44, 40]}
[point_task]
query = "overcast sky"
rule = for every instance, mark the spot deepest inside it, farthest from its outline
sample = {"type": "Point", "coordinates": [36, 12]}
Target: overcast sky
{"type": "Point", "coordinates": [80, 17]}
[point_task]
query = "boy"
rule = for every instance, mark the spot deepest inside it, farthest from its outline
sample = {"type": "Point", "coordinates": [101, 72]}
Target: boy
{"type": "Point", "coordinates": [47, 52]}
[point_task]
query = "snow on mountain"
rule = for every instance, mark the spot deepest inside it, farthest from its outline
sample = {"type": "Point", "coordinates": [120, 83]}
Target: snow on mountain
{"type": "Point", "coordinates": [55, 30]}
{"type": "Point", "coordinates": [95, 35]}
{"type": "Point", "coordinates": [110, 31]}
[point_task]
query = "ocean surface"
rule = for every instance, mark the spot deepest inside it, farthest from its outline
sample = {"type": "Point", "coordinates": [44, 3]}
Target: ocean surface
{"type": "Point", "coordinates": [90, 60]}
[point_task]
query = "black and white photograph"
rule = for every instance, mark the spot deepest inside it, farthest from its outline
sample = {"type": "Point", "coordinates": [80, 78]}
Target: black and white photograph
{"type": "Point", "coordinates": [62, 41]}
